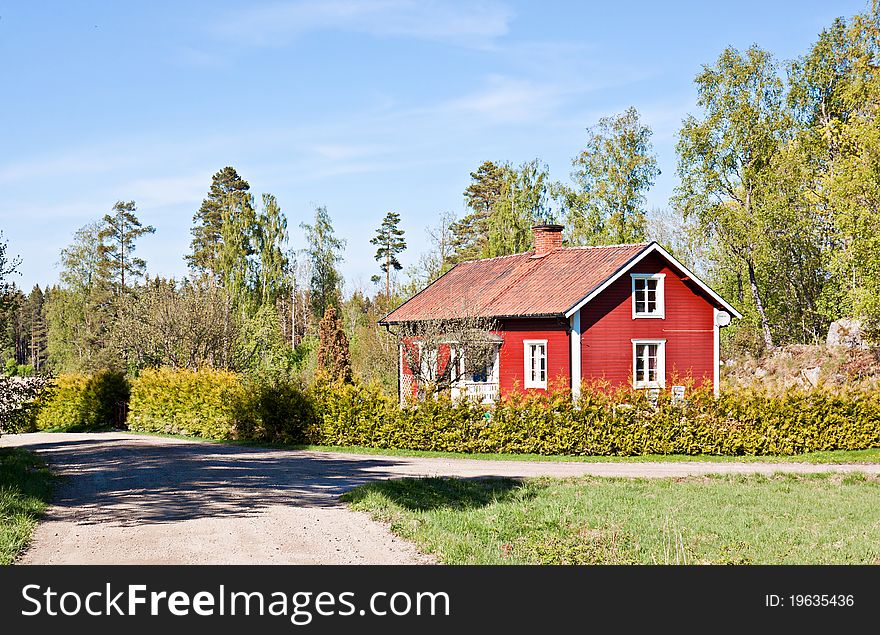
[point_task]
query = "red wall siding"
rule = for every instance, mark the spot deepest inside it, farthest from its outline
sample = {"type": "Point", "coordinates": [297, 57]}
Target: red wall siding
{"type": "Point", "coordinates": [608, 326]}
{"type": "Point", "coordinates": [514, 332]}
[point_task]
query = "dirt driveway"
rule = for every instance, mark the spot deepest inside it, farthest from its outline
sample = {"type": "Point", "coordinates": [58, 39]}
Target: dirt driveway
{"type": "Point", "coordinates": [153, 500]}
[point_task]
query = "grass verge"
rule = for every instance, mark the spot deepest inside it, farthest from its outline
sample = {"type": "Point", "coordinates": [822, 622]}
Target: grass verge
{"type": "Point", "coordinates": [25, 487]}
{"type": "Point", "coordinates": [783, 519]}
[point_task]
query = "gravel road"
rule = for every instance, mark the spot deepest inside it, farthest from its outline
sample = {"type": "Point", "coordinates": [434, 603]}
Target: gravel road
{"type": "Point", "coordinates": [153, 500]}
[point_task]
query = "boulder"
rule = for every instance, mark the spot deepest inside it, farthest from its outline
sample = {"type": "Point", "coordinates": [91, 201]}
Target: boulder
{"type": "Point", "coordinates": [846, 332]}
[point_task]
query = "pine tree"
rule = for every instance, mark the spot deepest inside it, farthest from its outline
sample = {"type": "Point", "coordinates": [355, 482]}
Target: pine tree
{"type": "Point", "coordinates": [390, 242]}
{"type": "Point", "coordinates": [470, 234]}
{"type": "Point", "coordinates": [227, 189]}
{"type": "Point", "coordinates": [333, 354]}
{"type": "Point", "coordinates": [117, 236]}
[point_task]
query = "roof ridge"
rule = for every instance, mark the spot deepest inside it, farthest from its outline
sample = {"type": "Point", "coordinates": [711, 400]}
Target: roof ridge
{"type": "Point", "coordinates": [640, 244]}
{"type": "Point", "coordinates": [531, 251]}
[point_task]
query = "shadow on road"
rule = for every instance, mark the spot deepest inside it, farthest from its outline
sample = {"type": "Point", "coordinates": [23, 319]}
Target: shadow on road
{"type": "Point", "coordinates": [130, 482]}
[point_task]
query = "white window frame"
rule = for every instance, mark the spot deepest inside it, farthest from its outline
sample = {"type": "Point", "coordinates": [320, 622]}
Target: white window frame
{"type": "Point", "coordinates": [527, 358]}
{"type": "Point", "coordinates": [661, 364]}
{"type": "Point", "coordinates": [660, 313]}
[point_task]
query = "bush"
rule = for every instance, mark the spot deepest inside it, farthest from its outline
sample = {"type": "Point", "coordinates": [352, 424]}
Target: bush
{"type": "Point", "coordinates": [221, 405]}
{"type": "Point", "coordinates": [621, 423]}
{"type": "Point", "coordinates": [275, 410]}
{"type": "Point", "coordinates": [203, 403]}
{"type": "Point", "coordinates": [84, 402]}
{"type": "Point", "coordinates": [19, 401]}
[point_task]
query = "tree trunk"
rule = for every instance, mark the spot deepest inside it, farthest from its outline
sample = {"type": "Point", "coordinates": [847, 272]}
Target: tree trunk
{"type": "Point", "coordinates": [765, 323]}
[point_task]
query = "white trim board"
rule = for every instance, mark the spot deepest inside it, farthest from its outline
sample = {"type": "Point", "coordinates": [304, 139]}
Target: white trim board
{"type": "Point", "coordinates": [652, 248]}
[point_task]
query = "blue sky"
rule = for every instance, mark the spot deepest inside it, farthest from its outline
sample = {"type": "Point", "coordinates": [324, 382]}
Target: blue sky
{"type": "Point", "coordinates": [363, 107]}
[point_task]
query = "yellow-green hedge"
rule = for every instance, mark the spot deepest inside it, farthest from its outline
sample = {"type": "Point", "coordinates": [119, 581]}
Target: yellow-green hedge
{"type": "Point", "coordinates": [221, 405]}
{"type": "Point", "coordinates": [84, 402]}
{"type": "Point", "coordinates": [623, 423]}
{"type": "Point", "coordinates": [204, 403]}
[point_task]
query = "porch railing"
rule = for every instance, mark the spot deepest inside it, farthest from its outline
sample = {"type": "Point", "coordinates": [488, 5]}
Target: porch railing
{"type": "Point", "coordinates": [484, 392]}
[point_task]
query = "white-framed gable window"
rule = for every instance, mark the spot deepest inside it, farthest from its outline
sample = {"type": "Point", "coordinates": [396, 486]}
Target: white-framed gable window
{"type": "Point", "coordinates": [535, 363]}
{"type": "Point", "coordinates": [647, 295]}
{"type": "Point", "coordinates": [649, 363]}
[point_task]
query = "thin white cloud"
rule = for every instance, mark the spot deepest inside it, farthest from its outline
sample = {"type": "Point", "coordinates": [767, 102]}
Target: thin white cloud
{"type": "Point", "coordinates": [507, 100]}
{"type": "Point", "coordinates": [468, 23]}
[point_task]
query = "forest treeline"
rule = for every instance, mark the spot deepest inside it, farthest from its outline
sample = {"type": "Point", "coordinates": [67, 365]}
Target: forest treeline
{"type": "Point", "coordinates": [777, 206]}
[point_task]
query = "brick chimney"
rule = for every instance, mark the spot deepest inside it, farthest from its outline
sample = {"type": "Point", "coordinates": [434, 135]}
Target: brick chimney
{"type": "Point", "coordinates": [547, 238]}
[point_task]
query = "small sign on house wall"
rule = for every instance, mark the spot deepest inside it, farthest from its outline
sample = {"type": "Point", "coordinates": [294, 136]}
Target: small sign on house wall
{"type": "Point", "coordinates": [678, 395]}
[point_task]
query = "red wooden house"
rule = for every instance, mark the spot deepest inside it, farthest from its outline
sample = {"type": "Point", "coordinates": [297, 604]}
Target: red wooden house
{"type": "Point", "coordinates": [624, 314]}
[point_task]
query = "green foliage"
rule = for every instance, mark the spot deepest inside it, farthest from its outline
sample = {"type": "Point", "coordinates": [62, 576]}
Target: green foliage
{"type": "Point", "coordinates": [612, 175]}
{"type": "Point", "coordinates": [390, 242]}
{"type": "Point", "coordinates": [276, 410]}
{"type": "Point", "coordinates": [119, 233]}
{"type": "Point", "coordinates": [621, 424]}
{"type": "Point", "coordinates": [26, 485]}
{"type": "Point", "coordinates": [227, 189]}
{"type": "Point", "coordinates": [505, 203]}
{"type": "Point", "coordinates": [218, 404]}
{"type": "Point", "coordinates": [197, 403]}
{"type": "Point", "coordinates": [273, 264]}
{"type": "Point", "coordinates": [84, 402]}
{"type": "Point", "coordinates": [223, 405]}
{"type": "Point", "coordinates": [521, 204]}
{"type": "Point", "coordinates": [324, 253]}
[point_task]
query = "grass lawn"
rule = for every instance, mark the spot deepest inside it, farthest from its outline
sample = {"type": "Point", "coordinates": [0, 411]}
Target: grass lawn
{"type": "Point", "coordinates": [25, 486]}
{"type": "Point", "coordinates": [831, 456]}
{"type": "Point", "coordinates": [784, 519]}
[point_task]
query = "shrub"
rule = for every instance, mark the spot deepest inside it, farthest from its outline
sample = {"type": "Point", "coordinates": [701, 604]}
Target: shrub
{"type": "Point", "coordinates": [221, 405]}
{"type": "Point", "coordinates": [275, 410]}
{"type": "Point", "coordinates": [19, 399]}
{"type": "Point", "coordinates": [203, 403]}
{"type": "Point", "coordinates": [84, 402]}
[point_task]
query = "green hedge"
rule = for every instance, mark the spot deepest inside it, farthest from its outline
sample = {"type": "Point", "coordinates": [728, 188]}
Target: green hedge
{"type": "Point", "coordinates": [204, 403]}
{"type": "Point", "coordinates": [624, 423]}
{"type": "Point", "coordinates": [222, 405]}
{"type": "Point", "coordinates": [84, 402]}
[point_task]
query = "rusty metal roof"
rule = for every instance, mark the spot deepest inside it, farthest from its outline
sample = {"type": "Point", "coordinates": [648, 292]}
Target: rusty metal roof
{"type": "Point", "coordinates": [519, 285]}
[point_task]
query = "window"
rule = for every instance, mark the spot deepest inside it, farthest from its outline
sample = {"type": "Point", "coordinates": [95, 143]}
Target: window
{"type": "Point", "coordinates": [535, 363]}
{"type": "Point", "coordinates": [647, 295]}
{"type": "Point", "coordinates": [649, 363]}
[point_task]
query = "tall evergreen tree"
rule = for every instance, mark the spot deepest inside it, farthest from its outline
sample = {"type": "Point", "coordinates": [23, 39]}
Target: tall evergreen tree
{"type": "Point", "coordinates": [612, 175]}
{"type": "Point", "coordinates": [390, 242]}
{"type": "Point", "coordinates": [522, 203]}
{"type": "Point", "coordinates": [228, 189]}
{"type": "Point", "coordinates": [118, 235]}
{"type": "Point", "coordinates": [470, 234]}
{"type": "Point", "coordinates": [323, 252]}
{"type": "Point", "coordinates": [7, 266]}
